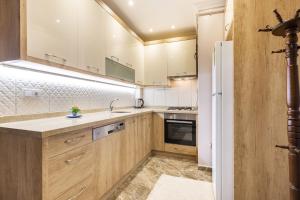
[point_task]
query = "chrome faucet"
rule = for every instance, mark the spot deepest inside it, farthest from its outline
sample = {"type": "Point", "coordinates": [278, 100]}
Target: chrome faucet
{"type": "Point", "coordinates": [111, 104]}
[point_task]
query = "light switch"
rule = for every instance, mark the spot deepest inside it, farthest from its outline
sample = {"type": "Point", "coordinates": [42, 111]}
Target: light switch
{"type": "Point", "coordinates": [32, 92]}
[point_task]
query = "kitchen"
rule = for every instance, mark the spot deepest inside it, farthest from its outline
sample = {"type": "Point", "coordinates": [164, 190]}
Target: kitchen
{"type": "Point", "coordinates": [139, 99]}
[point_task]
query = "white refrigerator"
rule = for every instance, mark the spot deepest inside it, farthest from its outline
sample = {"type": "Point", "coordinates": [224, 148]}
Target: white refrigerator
{"type": "Point", "coordinates": [222, 120]}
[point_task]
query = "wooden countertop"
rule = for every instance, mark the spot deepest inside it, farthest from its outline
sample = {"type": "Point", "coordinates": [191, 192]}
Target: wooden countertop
{"type": "Point", "coordinates": [46, 127]}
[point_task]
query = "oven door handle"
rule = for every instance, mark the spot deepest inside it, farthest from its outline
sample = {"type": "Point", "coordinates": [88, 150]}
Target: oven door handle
{"type": "Point", "coordinates": [180, 122]}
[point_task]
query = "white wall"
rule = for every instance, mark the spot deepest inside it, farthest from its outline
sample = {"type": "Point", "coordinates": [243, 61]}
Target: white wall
{"type": "Point", "coordinates": [181, 93]}
{"type": "Point", "coordinates": [210, 30]}
{"type": "Point", "coordinates": [57, 93]}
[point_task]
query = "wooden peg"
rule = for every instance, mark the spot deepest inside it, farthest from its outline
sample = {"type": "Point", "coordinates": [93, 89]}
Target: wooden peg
{"type": "Point", "coordinates": [282, 146]}
{"type": "Point", "coordinates": [279, 51]}
{"type": "Point", "coordinates": [278, 16]}
{"type": "Point", "coordinates": [267, 29]}
{"type": "Point", "coordinates": [297, 14]}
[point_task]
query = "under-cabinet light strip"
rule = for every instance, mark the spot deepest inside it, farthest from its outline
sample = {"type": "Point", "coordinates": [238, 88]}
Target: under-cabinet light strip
{"type": "Point", "coordinates": [25, 65]}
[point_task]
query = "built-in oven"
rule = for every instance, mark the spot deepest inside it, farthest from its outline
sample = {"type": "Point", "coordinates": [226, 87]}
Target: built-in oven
{"type": "Point", "coordinates": [180, 129]}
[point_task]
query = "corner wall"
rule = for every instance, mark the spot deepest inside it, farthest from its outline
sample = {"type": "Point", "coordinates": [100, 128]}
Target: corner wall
{"type": "Point", "coordinates": [261, 170]}
{"type": "Point", "coordinates": [210, 30]}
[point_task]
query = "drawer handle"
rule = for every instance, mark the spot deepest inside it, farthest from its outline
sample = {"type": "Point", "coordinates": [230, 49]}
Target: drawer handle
{"type": "Point", "coordinates": [57, 57]}
{"type": "Point", "coordinates": [115, 58]}
{"type": "Point", "coordinates": [78, 194]}
{"type": "Point", "coordinates": [74, 140]}
{"type": "Point", "coordinates": [72, 160]}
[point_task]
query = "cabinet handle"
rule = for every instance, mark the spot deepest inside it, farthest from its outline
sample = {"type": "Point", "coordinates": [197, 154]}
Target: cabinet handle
{"type": "Point", "coordinates": [72, 160]}
{"type": "Point", "coordinates": [74, 140]}
{"type": "Point", "coordinates": [93, 68]}
{"type": "Point", "coordinates": [115, 58]}
{"type": "Point", "coordinates": [184, 72]}
{"type": "Point", "coordinates": [78, 194]}
{"type": "Point", "coordinates": [226, 27]}
{"type": "Point", "coordinates": [129, 65]}
{"type": "Point", "coordinates": [54, 56]}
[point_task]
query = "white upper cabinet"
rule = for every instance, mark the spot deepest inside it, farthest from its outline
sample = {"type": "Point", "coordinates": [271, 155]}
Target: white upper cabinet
{"type": "Point", "coordinates": [80, 34]}
{"type": "Point", "coordinates": [91, 36]}
{"type": "Point", "coordinates": [181, 58]}
{"type": "Point", "coordinates": [138, 62]}
{"type": "Point", "coordinates": [52, 30]}
{"type": "Point", "coordinates": [228, 18]}
{"type": "Point", "coordinates": [156, 65]}
{"type": "Point", "coordinates": [116, 41]}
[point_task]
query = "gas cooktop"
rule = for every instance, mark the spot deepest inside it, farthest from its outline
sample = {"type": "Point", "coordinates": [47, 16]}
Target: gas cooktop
{"type": "Point", "coordinates": [180, 108]}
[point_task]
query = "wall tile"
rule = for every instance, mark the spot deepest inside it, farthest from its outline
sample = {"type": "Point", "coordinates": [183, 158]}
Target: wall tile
{"type": "Point", "coordinates": [7, 94]}
{"type": "Point", "coordinates": [56, 93]}
{"type": "Point", "coordinates": [181, 93]}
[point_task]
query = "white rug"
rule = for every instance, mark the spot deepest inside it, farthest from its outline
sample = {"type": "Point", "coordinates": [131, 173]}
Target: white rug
{"type": "Point", "coordinates": [178, 188]}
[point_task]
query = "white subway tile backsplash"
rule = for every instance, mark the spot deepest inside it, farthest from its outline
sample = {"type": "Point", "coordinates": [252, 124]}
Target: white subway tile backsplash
{"type": "Point", "coordinates": [7, 94]}
{"type": "Point", "coordinates": [56, 93]}
{"type": "Point", "coordinates": [181, 93]}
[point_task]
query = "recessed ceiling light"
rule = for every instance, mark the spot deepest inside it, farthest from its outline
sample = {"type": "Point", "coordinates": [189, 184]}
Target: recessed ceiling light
{"type": "Point", "coordinates": [130, 3]}
{"type": "Point", "coordinates": [173, 27]}
{"type": "Point", "coordinates": [151, 30]}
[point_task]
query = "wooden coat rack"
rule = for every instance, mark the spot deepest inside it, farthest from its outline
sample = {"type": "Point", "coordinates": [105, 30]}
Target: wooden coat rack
{"type": "Point", "coordinates": [288, 29]}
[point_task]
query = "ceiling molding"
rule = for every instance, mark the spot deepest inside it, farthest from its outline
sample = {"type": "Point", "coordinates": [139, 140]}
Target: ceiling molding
{"type": "Point", "coordinates": [211, 12]}
{"type": "Point", "coordinates": [206, 5]}
{"type": "Point", "coordinates": [169, 40]}
{"type": "Point", "coordinates": [119, 20]}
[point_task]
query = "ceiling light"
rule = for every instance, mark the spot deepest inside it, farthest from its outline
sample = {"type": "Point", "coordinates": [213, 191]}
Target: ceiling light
{"type": "Point", "coordinates": [151, 30]}
{"type": "Point", "coordinates": [173, 27]}
{"type": "Point", "coordinates": [130, 3]}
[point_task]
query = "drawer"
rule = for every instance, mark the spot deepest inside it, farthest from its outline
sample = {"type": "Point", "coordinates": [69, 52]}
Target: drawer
{"type": "Point", "coordinates": [85, 190]}
{"type": "Point", "coordinates": [59, 144]}
{"type": "Point", "coordinates": [181, 149]}
{"type": "Point", "coordinates": [69, 169]}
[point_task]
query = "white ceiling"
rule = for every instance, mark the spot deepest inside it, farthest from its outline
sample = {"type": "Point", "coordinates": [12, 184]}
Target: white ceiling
{"type": "Point", "coordinates": [159, 15]}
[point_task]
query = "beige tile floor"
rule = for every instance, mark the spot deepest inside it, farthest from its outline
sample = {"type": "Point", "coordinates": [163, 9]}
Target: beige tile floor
{"type": "Point", "coordinates": [140, 183]}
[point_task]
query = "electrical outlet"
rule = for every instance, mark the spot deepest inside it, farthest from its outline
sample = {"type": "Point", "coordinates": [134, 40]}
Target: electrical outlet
{"type": "Point", "coordinates": [32, 92]}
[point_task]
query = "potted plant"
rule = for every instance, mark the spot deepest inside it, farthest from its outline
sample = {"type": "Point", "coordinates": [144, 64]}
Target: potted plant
{"type": "Point", "coordinates": [75, 110]}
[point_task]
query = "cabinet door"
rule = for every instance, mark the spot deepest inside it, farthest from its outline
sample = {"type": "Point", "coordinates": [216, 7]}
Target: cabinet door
{"type": "Point", "coordinates": [149, 133]}
{"type": "Point", "coordinates": [129, 151]}
{"type": "Point", "coordinates": [116, 39]}
{"type": "Point", "coordinates": [181, 58]}
{"type": "Point", "coordinates": [103, 160]}
{"type": "Point", "coordinates": [52, 30]}
{"type": "Point", "coordinates": [158, 137]}
{"type": "Point", "coordinates": [228, 18]}
{"type": "Point", "coordinates": [139, 63]}
{"type": "Point", "coordinates": [91, 36]}
{"type": "Point", "coordinates": [156, 65]}
{"type": "Point", "coordinates": [139, 141]}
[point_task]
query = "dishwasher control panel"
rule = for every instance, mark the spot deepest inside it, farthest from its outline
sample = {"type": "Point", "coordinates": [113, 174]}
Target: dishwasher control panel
{"type": "Point", "coordinates": [104, 131]}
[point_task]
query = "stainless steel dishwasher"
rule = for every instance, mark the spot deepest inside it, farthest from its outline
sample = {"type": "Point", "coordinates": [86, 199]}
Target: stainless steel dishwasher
{"type": "Point", "coordinates": [104, 131]}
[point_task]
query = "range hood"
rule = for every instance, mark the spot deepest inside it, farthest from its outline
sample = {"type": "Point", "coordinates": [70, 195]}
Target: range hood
{"type": "Point", "coordinates": [183, 77]}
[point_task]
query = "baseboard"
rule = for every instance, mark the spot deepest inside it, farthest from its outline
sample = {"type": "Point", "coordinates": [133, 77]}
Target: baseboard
{"type": "Point", "coordinates": [176, 155]}
{"type": "Point", "coordinates": [205, 168]}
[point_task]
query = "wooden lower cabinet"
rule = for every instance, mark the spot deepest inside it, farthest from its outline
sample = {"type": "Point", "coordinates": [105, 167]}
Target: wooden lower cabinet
{"type": "Point", "coordinates": [69, 169]}
{"type": "Point", "coordinates": [71, 166]}
{"type": "Point", "coordinates": [158, 136]}
{"type": "Point", "coordinates": [119, 153]}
